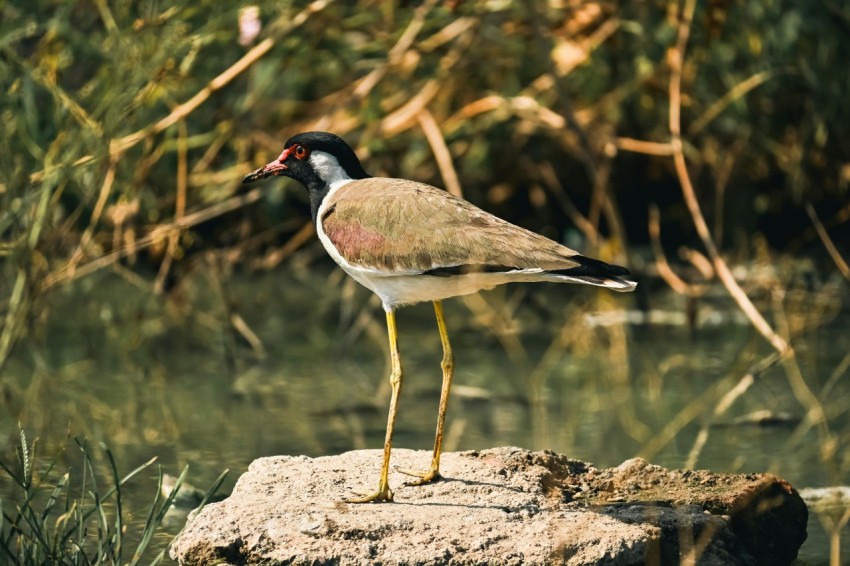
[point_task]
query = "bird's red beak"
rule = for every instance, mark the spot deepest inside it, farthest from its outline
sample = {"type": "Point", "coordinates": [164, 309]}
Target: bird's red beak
{"type": "Point", "coordinates": [276, 167]}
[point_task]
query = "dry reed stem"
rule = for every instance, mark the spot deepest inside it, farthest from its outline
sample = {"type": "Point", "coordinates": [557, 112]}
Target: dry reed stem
{"type": "Point", "coordinates": [13, 317]}
{"type": "Point", "coordinates": [836, 375]}
{"type": "Point", "coordinates": [48, 81]}
{"type": "Point", "coordinates": [405, 116]}
{"type": "Point", "coordinates": [723, 173]}
{"type": "Point", "coordinates": [640, 146]}
{"type": "Point", "coordinates": [441, 151]}
{"type": "Point", "coordinates": [599, 174]}
{"type": "Point", "coordinates": [699, 261]}
{"type": "Point", "coordinates": [494, 320]}
{"type": "Point", "coordinates": [570, 332]}
{"type": "Point", "coordinates": [352, 323]}
{"type": "Point", "coordinates": [589, 43]}
{"type": "Point", "coordinates": [616, 226]}
{"type": "Point", "coordinates": [248, 334]}
{"type": "Point", "coordinates": [182, 170]}
{"type": "Point", "coordinates": [525, 104]}
{"type": "Point", "coordinates": [105, 190]}
{"type": "Point", "coordinates": [694, 548]}
{"type": "Point", "coordinates": [676, 61]}
{"type": "Point", "coordinates": [827, 242]}
{"type": "Point", "coordinates": [815, 413]}
{"type": "Point", "coordinates": [835, 539]}
{"type": "Point", "coordinates": [550, 179]}
{"type": "Point", "coordinates": [524, 107]}
{"type": "Point", "coordinates": [154, 235]}
{"type": "Point", "coordinates": [726, 401]}
{"type": "Point", "coordinates": [225, 132]}
{"type": "Point", "coordinates": [179, 207]}
{"type": "Point", "coordinates": [731, 96]}
{"type": "Point", "coordinates": [291, 246]}
{"type": "Point", "coordinates": [106, 16]}
{"type": "Point", "coordinates": [686, 415]}
{"type": "Point", "coordinates": [450, 32]}
{"type": "Point", "coordinates": [404, 43]}
{"type": "Point", "coordinates": [675, 282]}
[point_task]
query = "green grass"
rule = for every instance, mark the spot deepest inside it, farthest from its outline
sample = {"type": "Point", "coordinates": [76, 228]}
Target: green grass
{"type": "Point", "coordinates": [69, 519]}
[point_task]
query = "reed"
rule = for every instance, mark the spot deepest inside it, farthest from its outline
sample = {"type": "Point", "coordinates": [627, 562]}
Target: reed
{"type": "Point", "coordinates": [76, 518]}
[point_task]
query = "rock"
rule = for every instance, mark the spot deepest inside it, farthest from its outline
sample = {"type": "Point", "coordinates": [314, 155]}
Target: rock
{"type": "Point", "coordinates": [498, 506]}
{"type": "Point", "coordinates": [188, 497]}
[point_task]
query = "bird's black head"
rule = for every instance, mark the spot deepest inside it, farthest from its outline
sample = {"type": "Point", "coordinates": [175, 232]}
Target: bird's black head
{"type": "Point", "coordinates": [299, 161]}
{"type": "Point", "coordinates": [318, 160]}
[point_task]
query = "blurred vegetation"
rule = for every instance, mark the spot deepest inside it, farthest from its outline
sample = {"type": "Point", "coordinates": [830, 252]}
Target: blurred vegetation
{"type": "Point", "coordinates": [128, 126]}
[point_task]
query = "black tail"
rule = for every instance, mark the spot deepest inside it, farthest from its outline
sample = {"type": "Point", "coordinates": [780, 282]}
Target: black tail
{"type": "Point", "coordinates": [589, 267]}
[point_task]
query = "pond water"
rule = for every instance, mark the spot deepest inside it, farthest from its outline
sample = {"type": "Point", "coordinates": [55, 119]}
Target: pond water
{"type": "Point", "coordinates": [293, 361]}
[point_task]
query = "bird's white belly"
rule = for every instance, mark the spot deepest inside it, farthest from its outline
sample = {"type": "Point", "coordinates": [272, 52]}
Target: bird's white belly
{"type": "Point", "coordinates": [403, 289]}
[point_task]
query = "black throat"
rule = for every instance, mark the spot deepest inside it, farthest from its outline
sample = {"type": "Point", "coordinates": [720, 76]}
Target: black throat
{"type": "Point", "coordinates": [316, 197]}
{"type": "Point", "coordinates": [316, 187]}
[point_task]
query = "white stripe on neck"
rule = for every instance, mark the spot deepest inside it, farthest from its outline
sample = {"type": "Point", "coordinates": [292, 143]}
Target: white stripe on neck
{"type": "Point", "coordinates": [327, 167]}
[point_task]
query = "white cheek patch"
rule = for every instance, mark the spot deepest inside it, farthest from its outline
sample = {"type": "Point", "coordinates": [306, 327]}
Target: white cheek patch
{"type": "Point", "coordinates": [328, 169]}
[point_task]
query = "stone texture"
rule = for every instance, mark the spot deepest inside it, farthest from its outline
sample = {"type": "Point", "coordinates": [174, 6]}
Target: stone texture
{"type": "Point", "coordinates": [499, 506]}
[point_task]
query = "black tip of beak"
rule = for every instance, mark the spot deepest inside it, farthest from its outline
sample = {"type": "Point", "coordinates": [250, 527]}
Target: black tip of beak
{"type": "Point", "coordinates": [255, 175]}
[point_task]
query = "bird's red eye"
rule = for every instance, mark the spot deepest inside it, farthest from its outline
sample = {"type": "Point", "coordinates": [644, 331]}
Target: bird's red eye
{"type": "Point", "coordinates": [301, 152]}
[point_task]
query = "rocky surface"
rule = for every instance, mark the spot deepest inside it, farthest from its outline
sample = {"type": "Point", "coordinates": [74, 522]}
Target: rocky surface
{"type": "Point", "coordinates": [498, 506]}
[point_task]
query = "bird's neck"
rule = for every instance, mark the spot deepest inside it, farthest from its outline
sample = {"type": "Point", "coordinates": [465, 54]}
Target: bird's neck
{"type": "Point", "coordinates": [327, 175]}
{"type": "Point", "coordinates": [318, 192]}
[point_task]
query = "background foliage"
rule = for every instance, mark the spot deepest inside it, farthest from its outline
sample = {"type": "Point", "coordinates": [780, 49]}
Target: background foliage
{"type": "Point", "coordinates": [105, 141]}
{"type": "Point", "coordinates": [127, 127]}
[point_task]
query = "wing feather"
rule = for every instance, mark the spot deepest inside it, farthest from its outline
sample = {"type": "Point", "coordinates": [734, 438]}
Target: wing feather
{"type": "Point", "coordinates": [403, 227]}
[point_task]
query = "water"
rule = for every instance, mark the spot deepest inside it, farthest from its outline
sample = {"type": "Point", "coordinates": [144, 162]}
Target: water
{"type": "Point", "coordinates": [539, 367]}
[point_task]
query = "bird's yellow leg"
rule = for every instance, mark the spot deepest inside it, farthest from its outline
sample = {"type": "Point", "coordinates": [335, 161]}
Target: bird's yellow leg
{"type": "Point", "coordinates": [448, 365]}
{"type": "Point", "coordinates": [384, 493]}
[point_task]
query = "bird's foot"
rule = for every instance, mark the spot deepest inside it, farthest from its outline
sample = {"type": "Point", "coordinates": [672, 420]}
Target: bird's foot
{"type": "Point", "coordinates": [383, 494]}
{"type": "Point", "coordinates": [432, 475]}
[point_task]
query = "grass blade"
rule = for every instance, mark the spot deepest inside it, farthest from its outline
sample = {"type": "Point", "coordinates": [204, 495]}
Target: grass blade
{"type": "Point", "coordinates": [77, 527]}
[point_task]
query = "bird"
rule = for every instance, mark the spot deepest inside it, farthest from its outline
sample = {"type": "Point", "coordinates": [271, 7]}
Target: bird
{"type": "Point", "coordinates": [410, 242]}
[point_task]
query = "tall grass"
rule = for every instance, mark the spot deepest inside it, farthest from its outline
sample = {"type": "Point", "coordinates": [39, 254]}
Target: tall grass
{"type": "Point", "coordinates": [68, 519]}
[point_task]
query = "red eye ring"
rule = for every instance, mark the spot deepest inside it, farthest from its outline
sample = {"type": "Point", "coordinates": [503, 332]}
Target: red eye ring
{"type": "Point", "coordinates": [300, 152]}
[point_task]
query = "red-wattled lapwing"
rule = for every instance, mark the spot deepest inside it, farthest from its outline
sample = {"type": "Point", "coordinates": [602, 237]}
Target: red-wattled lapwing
{"type": "Point", "coordinates": [410, 242]}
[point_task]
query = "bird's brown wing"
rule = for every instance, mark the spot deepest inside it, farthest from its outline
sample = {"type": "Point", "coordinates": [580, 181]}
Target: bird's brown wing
{"type": "Point", "coordinates": [400, 226]}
